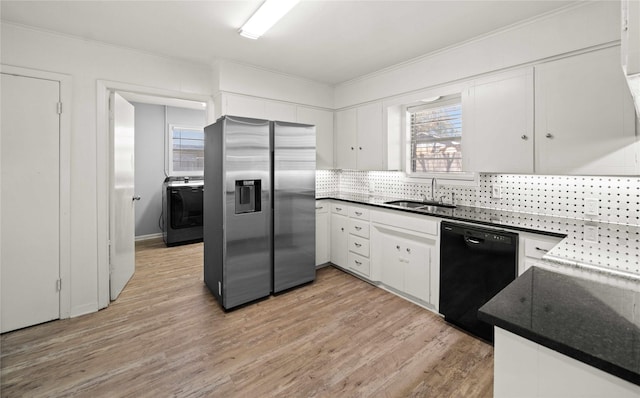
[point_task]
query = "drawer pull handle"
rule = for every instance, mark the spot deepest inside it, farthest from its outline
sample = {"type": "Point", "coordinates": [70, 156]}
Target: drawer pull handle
{"type": "Point", "coordinates": [358, 213]}
{"type": "Point", "coordinates": [542, 250]}
{"type": "Point", "coordinates": [358, 228]}
{"type": "Point", "coordinates": [357, 244]}
{"type": "Point", "coordinates": [319, 208]}
{"type": "Point", "coordinates": [357, 262]}
{"type": "Point", "coordinates": [338, 208]}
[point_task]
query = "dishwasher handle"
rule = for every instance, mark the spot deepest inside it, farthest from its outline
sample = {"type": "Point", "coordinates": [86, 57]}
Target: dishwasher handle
{"type": "Point", "coordinates": [474, 241]}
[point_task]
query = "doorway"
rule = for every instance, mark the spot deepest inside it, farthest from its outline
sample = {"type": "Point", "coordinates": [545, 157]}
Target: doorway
{"type": "Point", "coordinates": [105, 164]}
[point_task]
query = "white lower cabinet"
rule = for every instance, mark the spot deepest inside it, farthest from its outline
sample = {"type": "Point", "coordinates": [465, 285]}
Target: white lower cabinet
{"type": "Point", "coordinates": [358, 263]}
{"type": "Point", "coordinates": [532, 248]}
{"type": "Point", "coordinates": [350, 238]}
{"type": "Point", "coordinates": [404, 254]}
{"type": "Point", "coordinates": [526, 369]}
{"type": "Point", "coordinates": [339, 239]}
{"type": "Point", "coordinates": [323, 222]}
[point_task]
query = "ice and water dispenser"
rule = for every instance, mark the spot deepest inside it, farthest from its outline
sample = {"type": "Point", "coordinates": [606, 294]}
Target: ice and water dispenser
{"type": "Point", "coordinates": [248, 194]}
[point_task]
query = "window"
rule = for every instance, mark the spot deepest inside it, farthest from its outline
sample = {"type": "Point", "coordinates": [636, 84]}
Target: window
{"type": "Point", "coordinates": [435, 134]}
{"type": "Point", "coordinates": [186, 150]}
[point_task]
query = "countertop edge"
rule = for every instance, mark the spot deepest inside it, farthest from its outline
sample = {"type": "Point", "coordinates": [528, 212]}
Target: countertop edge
{"type": "Point", "coordinates": [564, 349]}
{"type": "Point", "coordinates": [423, 213]}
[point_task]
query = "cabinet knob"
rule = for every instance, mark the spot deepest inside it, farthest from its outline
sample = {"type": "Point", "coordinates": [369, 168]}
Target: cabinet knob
{"type": "Point", "coordinates": [360, 147]}
{"type": "Point", "coordinates": [524, 137]}
{"type": "Point", "coordinates": [398, 247]}
{"type": "Point", "coordinates": [408, 250]}
{"type": "Point", "coordinates": [352, 148]}
{"type": "Point", "coordinates": [342, 229]}
{"type": "Point", "coordinates": [549, 135]}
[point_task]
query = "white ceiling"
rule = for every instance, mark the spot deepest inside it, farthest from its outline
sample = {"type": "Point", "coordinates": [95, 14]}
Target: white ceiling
{"type": "Point", "coordinates": [326, 41]}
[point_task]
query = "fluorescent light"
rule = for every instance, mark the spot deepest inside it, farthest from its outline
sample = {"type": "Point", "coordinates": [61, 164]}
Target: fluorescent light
{"type": "Point", "coordinates": [265, 17]}
{"type": "Point", "coordinates": [431, 99]}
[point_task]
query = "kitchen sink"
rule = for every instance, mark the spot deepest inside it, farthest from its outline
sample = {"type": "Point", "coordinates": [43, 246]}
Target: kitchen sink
{"type": "Point", "coordinates": [418, 205]}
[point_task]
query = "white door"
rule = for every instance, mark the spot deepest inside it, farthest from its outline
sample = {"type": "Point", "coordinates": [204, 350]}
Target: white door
{"type": "Point", "coordinates": [30, 202]}
{"type": "Point", "coordinates": [122, 201]}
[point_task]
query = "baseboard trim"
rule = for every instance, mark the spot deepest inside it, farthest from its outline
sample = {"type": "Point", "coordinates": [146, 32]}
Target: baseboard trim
{"type": "Point", "coordinates": [147, 237]}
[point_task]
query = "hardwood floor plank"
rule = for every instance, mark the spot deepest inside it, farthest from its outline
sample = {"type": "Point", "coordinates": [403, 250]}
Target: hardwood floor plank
{"type": "Point", "coordinates": [167, 336]}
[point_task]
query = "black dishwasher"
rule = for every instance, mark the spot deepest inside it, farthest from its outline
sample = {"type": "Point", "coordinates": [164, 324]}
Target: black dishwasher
{"type": "Point", "coordinates": [475, 264]}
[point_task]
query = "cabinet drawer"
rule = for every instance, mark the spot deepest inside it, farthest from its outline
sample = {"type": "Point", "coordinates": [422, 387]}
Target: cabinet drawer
{"type": "Point", "coordinates": [359, 228]}
{"type": "Point", "coordinates": [536, 248]}
{"type": "Point", "coordinates": [359, 212]}
{"type": "Point", "coordinates": [339, 208]}
{"type": "Point", "coordinates": [359, 245]}
{"type": "Point", "coordinates": [358, 264]}
{"type": "Point", "coordinates": [322, 207]}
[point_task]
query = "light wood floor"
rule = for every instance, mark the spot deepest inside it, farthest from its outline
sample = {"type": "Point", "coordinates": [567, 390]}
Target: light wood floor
{"type": "Point", "coordinates": [166, 336]}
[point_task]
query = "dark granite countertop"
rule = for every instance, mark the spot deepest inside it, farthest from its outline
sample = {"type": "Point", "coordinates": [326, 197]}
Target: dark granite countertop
{"type": "Point", "coordinates": [593, 322]}
{"type": "Point", "coordinates": [616, 252]}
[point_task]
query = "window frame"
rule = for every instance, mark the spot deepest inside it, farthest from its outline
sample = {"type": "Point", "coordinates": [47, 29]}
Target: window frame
{"type": "Point", "coordinates": [170, 171]}
{"type": "Point", "coordinates": [457, 176]}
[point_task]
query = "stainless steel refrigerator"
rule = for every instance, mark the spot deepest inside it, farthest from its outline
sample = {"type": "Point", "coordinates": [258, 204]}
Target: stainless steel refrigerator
{"type": "Point", "coordinates": [259, 208]}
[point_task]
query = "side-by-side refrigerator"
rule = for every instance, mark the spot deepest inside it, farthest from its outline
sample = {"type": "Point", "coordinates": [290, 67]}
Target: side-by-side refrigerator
{"type": "Point", "coordinates": [259, 208]}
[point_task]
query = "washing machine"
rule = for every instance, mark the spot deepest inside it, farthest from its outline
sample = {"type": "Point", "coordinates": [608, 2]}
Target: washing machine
{"type": "Point", "coordinates": [182, 211]}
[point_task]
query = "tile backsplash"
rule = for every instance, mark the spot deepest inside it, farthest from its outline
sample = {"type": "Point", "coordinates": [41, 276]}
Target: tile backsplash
{"type": "Point", "coordinates": [562, 196]}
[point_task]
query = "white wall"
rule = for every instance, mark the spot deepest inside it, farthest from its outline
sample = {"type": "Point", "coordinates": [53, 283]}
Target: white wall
{"type": "Point", "coordinates": [572, 29]}
{"type": "Point", "coordinates": [244, 79]}
{"type": "Point", "coordinates": [87, 62]}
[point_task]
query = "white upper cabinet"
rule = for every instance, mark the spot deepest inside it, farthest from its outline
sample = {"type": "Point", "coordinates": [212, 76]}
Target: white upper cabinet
{"type": "Point", "coordinates": [239, 105]}
{"type": "Point", "coordinates": [369, 133]}
{"type": "Point", "coordinates": [497, 123]}
{"type": "Point", "coordinates": [346, 139]}
{"type": "Point", "coordinates": [280, 111]}
{"type": "Point", "coordinates": [359, 138]}
{"type": "Point", "coordinates": [323, 120]}
{"type": "Point", "coordinates": [584, 117]}
{"type": "Point", "coordinates": [258, 108]}
{"type": "Point", "coordinates": [630, 44]}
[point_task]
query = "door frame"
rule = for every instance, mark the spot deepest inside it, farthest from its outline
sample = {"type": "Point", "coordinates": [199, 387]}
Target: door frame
{"type": "Point", "coordinates": [103, 164]}
{"type": "Point", "coordinates": [65, 82]}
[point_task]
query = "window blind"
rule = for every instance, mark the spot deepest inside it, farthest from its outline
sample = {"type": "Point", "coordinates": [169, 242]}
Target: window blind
{"type": "Point", "coordinates": [436, 134]}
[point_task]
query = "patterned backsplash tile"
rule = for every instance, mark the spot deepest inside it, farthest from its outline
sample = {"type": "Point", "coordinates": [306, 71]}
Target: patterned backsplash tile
{"type": "Point", "coordinates": [562, 196]}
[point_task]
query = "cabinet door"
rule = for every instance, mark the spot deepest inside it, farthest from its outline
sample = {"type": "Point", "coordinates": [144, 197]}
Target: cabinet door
{"type": "Point", "coordinates": [323, 120]}
{"type": "Point", "coordinates": [345, 139]}
{"type": "Point", "coordinates": [392, 270]}
{"type": "Point", "coordinates": [323, 254]}
{"type": "Point", "coordinates": [339, 239]}
{"type": "Point", "coordinates": [280, 111]}
{"type": "Point", "coordinates": [585, 120]}
{"type": "Point", "coordinates": [417, 267]}
{"type": "Point", "coordinates": [498, 125]}
{"type": "Point", "coordinates": [369, 137]}
{"type": "Point", "coordinates": [237, 105]}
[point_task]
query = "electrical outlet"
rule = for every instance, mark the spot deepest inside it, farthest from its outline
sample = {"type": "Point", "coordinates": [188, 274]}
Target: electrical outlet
{"type": "Point", "coordinates": [591, 207]}
{"type": "Point", "coordinates": [591, 233]}
{"type": "Point", "coordinates": [496, 192]}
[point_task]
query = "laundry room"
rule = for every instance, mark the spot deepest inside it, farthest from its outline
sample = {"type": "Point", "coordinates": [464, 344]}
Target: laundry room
{"type": "Point", "coordinates": [169, 146]}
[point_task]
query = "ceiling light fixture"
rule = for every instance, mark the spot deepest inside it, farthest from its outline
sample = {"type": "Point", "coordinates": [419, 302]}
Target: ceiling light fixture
{"type": "Point", "coordinates": [265, 17]}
